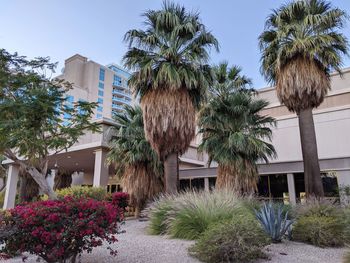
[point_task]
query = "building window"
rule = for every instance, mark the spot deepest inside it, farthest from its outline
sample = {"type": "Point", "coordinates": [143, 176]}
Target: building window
{"type": "Point", "coordinates": [67, 116]}
{"type": "Point", "coordinates": [101, 85]}
{"type": "Point", "coordinates": [80, 110]}
{"type": "Point", "coordinates": [70, 99]}
{"type": "Point", "coordinates": [117, 80]}
{"type": "Point", "coordinates": [98, 115]}
{"type": "Point", "coordinates": [100, 93]}
{"type": "Point", "coordinates": [100, 109]}
{"type": "Point", "coordinates": [102, 74]}
{"type": "Point", "coordinates": [100, 101]}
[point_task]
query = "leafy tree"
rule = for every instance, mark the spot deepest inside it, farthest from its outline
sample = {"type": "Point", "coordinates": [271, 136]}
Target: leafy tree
{"type": "Point", "coordinates": [301, 44]}
{"type": "Point", "coordinates": [234, 132]}
{"type": "Point", "coordinates": [135, 161]}
{"type": "Point", "coordinates": [171, 75]}
{"type": "Point", "coordinates": [32, 107]}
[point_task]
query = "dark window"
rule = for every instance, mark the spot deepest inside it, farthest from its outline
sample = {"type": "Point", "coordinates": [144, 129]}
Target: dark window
{"type": "Point", "coordinates": [197, 184]}
{"type": "Point", "coordinates": [263, 186]}
{"type": "Point", "coordinates": [212, 182]}
{"type": "Point", "coordinates": [185, 184]}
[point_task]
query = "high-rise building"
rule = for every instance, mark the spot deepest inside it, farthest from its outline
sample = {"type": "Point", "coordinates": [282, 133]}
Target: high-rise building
{"type": "Point", "coordinates": [93, 82]}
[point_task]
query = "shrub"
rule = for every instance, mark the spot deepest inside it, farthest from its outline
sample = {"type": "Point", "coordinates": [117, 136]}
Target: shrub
{"type": "Point", "coordinates": [59, 230]}
{"type": "Point", "coordinates": [238, 240]}
{"type": "Point", "coordinates": [97, 193]}
{"type": "Point", "coordinates": [347, 225]}
{"type": "Point", "coordinates": [120, 200]}
{"type": "Point", "coordinates": [274, 220]}
{"type": "Point", "coordinates": [189, 214]}
{"type": "Point", "coordinates": [322, 223]}
{"type": "Point", "coordinates": [158, 216]}
{"type": "Point", "coordinates": [322, 231]}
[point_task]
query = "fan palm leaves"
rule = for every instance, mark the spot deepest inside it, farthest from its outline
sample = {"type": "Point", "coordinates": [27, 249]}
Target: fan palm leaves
{"type": "Point", "coordinates": [136, 163]}
{"type": "Point", "coordinates": [302, 43]}
{"type": "Point", "coordinates": [234, 132]}
{"type": "Point", "coordinates": [169, 58]}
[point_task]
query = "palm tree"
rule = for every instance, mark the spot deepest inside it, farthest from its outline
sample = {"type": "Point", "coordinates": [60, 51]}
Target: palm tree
{"type": "Point", "coordinates": [301, 44]}
{"type": "Point", "coordinates": [135, 161]}
{"type": "Point", "coordinates": [169, 59]}
{"type": "Point", "coordinates": [234, 131]}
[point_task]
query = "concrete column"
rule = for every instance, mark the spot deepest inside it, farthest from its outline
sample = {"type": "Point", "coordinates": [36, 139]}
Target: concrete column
{"type": "Point", "coordinates": [11, 186]}
{"type": "Point", "coordinates": [101, 169]}
{"type": "Point", "coordinates": [206, 184]}
{"type": "Point", "coordinates": [291, 189]}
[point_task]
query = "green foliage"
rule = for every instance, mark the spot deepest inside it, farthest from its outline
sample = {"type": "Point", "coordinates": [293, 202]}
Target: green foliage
{"type": "Point", "coordinates": [171, 53]}
{"type": "Point", "coordinates": [274, 221]}
{"type": "Point", "coordinates": [31, 113]}
{"type": "Point", "coordinates": [159, 214]}
{"type": "Point", "coordinates": [129, 146]}
{"type": "Point", "coordinates": [322, 223]}
{"type": "Point", "coordinates": [97, 193]}
{"type": "Point", "coordinates": [235, 134]}
{"type": "Point", "coordinates": [238, 240]}
{"type": "Point", "coordinates": [187, 215]}
{"type": "Point", "coordinates": [322, 231]}
{"type": "Point", "coordinates": [347, 225]}
{"type": "Point", "coordinates": [303, 29]}
{"type": "Point", "coordinates": [233, 129]}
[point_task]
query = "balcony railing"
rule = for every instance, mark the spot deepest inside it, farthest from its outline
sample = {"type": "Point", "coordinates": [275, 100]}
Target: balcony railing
{"type": "Point", "coordinates": [121, 100]}
{"type": "Point", "coordinates": [116, 106]}
{"type": "Point", "coordinates": [121, 93]}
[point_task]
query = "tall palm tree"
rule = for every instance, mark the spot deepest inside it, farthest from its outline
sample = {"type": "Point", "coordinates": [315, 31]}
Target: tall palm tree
{"type": "Point", "coordinates": [169, 59]}
{"type": "Point", "coordinates": [234, 132]}
{"type": "Point", "coordinates": [135, 161]}
{"type": "Point", "coordinates": [301, 44]}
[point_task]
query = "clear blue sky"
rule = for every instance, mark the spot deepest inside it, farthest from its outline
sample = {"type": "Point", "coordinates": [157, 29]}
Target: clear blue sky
{"type": "Point", "coordinates": [95, 28]}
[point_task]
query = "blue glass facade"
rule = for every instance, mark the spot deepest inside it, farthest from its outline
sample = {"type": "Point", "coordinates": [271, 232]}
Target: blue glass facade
{"type": "Point", "coordinates": [102, 74]}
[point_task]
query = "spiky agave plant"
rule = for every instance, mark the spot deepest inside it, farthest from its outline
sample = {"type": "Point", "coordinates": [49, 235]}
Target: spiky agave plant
{"type": "Point", "coordinates": [171, 75]}
{"type": "Point", "coordinates": [301, 44]}
{"type": "Point", "coordinates": [136, 163]}
{"type": "Point", "coordinates": [234, 133]}
{"type": "Point", "coordinates": [274, 221]}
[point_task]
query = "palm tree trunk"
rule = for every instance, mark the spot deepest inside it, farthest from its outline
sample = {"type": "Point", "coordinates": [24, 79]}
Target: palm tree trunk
{"type": "Point", "coordinates": [171, 173]}
{"type": "Point", "coordinates": [312, 175]}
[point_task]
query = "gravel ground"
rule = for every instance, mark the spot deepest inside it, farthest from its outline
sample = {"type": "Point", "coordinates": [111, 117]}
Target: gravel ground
{"type": "Point", "coordinates": [135, 246]}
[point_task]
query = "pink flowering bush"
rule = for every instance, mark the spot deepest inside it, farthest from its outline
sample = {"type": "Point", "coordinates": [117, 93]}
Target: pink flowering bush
{"type": "Point", "coordinates": [57, 231]}
{"type": "Point", "coordinates": [120, 199]}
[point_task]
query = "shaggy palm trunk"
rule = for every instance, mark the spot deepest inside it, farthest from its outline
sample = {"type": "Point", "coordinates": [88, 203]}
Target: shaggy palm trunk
{"type": "Point", "coordinates": [28, 189]}
{"type": "Point", "coordinates": [240, 178]}
{"type": "Point", "coordinates": [171, 173]}
{"type": "Point", "coordinates": [312, 175]}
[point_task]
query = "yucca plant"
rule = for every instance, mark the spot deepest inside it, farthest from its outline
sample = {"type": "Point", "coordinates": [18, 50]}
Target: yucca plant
{"type": "Point", "coordinates": [274, 221]}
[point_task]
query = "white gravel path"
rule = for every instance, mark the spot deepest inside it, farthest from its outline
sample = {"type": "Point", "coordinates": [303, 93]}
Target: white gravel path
{"type": "Point", "coordinates": [135, 246]}
{"type": "Point", "coordinates": [293, 252]}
